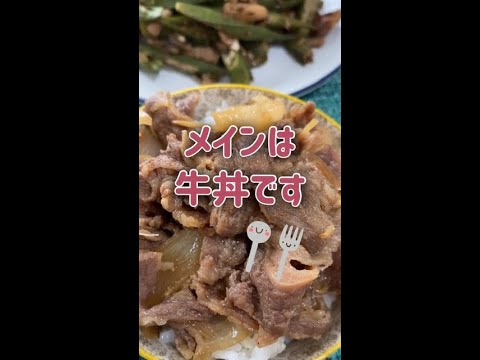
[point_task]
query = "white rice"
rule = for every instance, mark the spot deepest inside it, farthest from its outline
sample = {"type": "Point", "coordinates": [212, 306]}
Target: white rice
{"type": "Point", "coordinates": [167, 335]}
{"type": "Point", "coordinates": [246, 350]}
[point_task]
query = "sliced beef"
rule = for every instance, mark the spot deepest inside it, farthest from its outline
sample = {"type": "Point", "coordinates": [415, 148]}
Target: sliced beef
{"type": "Point", "coordinates": [149, 263]}
{"type": "Point", "coordinates": [301, 114]}
{"type": "Point", "coordinates": [152, 240]}
{"type": "Point", "coordinates": [319, 203]}
{"type": "Point", "coordinates": [148, 187]}
{"type": "Point", "coordinates": [181, 306]}
{"type": "Point", "coordinates": [149, 209]}
{"type": "Point", "coordinates": [312, 317]}
{"type": "Point", "coordinates": [218, 257]}
{"type": "Point", "coordinates": [276, 306]}
{"type": "Point", "coordinates": [163, 112]}
{"type": "Point", "coordinates": [185, 343]}
{"type": "Point", "coordinates": [214, 297]}
{"type": "Point", "coordinates": [151, 216]}
{"type": "Point", "coordinates": [187, 104]}
{"type": "Point", "coordinates": [241, 292]}
{"type": "Point", "coordinates": [309, 324]}
{"type": "Point", "coordinates": [331, 276]}
{"type": "Point", "coordinates": [331, 157]}
{"type": "Point", "coordinates": [162, 161]}
{"type": "Point", "coordinates": [184, 214]}
{"type": "Point", "coordinates": [152, 246]}
{"type": "Point", "coordinates": [151, 223]}
{"type": "Point", "coordinates": [229, 221]}
{"type": "Point", "coordinates": [173, 148]}
{"type": "Point", "coordinates": [258, 163]}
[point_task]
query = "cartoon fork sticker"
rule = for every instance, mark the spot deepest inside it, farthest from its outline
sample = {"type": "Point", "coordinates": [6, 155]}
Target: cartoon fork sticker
{"type": "Point", "coordinates": [288, 242]}
{"type": "Point", "coordinates": [258, 232]}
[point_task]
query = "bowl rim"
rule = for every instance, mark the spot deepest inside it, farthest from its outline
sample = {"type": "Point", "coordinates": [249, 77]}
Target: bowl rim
{"type": "Point", "coordinates": [333, 348]}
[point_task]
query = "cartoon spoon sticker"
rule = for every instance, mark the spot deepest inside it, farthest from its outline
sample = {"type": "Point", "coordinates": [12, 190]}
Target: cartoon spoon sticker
{"type": "Point", "coordinates": [258, 232]}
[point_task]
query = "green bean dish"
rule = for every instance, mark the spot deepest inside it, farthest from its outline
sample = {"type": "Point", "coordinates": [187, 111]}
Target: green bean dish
{"type": "Point", "coordinates": [213, 38]}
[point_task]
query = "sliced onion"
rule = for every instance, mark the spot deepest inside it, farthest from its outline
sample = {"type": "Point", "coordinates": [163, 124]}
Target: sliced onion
{"type": "Point", "coordinates": [216, 334]}
{"type": "Point", "coordinates": [183, 250]}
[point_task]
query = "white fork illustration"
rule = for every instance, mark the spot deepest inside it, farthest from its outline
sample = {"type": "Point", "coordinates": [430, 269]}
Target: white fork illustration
{"type": "Point", "coordinates": [288, 242]}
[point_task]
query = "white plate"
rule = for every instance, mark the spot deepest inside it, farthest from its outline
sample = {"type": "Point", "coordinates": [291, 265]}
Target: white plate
{"type": "Point", "coordinates": [281, 72]}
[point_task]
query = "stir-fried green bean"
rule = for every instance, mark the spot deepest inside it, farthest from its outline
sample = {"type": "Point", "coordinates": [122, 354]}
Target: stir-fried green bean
{"type": "Point", "coordinates": [169, 4]}
{"type": "Point", "coordinates": [190, 28]}
{"type": "Point", "coordinates": [214, 38]}
{"type": "Point", "coordinates": [182, 62]}
{"type": "Point", "coordinates": [300, 49]}
{"type": "Point", "coordinates": [280, 4]}
{"type": "Point", "coordinates": [151, 66]}
{"type": "Point", "coordinates": [307, 13]}
{"type": "Point", "coordinates": [257, 52]}
{"type": "Point", "coordinates": [237, 67]}
{"type": "Point", "coordinates": [281, 21]}
{"type": "Point", "coordinates": [233, 28]}
{"type": "Point", "coordinates": [146, 13]}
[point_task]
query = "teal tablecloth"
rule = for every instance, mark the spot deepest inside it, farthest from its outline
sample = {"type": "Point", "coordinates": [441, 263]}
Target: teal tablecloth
{"type": "Point", "coordinates": [327, 98]}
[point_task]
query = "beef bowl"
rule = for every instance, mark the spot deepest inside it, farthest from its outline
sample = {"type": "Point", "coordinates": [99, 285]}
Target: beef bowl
{"type": "Point", "coordinates": [239, 226]}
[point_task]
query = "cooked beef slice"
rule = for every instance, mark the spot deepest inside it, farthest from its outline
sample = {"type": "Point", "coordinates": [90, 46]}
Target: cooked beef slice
{"type": "Point", "coordinates": [229, 221]}
{"type": "Point", "coordinates": [149, 263]}
{"type": "Point", "coordinates": [187, 104]}
{"type": "Point", "coordinates": [312, 317]}
{"type": "Point", "coordinates": [301, 114]}
{"type": "Point", "coordinates": [276, 306]}
{"type": "Point", "coordinates": [258, 163]}
{"type": "Point", "coordinates": [331, 157]}
{"type": "Point", "coordinates": [152, 246]}
{"type": "Point", "coordinates": [181, 306]}
{"type": "Point", "coordinates": [219, 256]}
{"type": "Point", "coordinates": [241, 292]}
{"type": "Point", "coordinates": [151, 223]}
{"type": "Point", "coordinates": [173, 148]}
{"type": "Point", "coordinates": [163, 112]}
{"type": "Point", "coordinates": [319, 199]}
{"type": "Point", "coordinates": [185, 343]}
{"type": "Point", "coordinates": [163, 161]}
{"type": "Point", "coordinates": [309, 324]}
{"type": "Point", "coordinates": [155, 224]}
{"type": "Point", "coordinates": [149, 209]}
{"type": "Point", "coordinates": [148, 188]}
{"type": "Point", "coordinates": [214, 297]}
{"type": "Point", "coordinates": [331, 276]}
{"type": "Point", "coordinates": [184, 214]}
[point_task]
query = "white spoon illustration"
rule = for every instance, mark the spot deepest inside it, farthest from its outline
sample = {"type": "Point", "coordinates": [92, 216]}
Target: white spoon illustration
{"type": "Point", "coordinates": [258, 232]}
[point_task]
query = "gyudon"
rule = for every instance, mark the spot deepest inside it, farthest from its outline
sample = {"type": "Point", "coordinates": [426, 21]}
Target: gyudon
{"type": "Point", "coordinates": [192, 261]}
